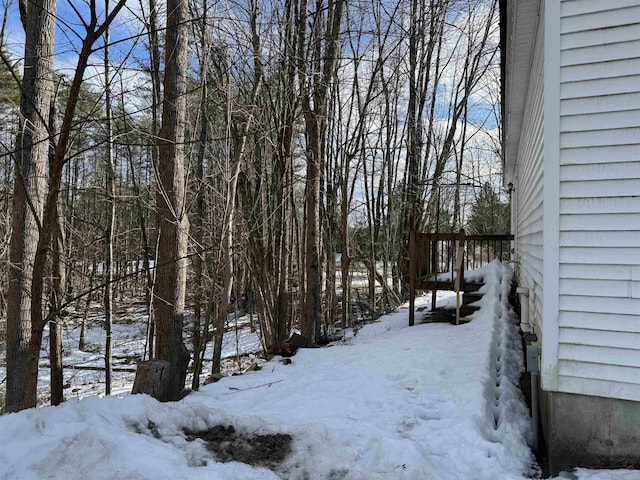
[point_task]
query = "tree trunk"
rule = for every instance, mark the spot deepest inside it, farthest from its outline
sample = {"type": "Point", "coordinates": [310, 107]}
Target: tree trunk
{"type": "Point", "coordinates": [83, 327]}
{"type": "Point", "coordinates": [55, 320]}
{"type": "Point", "coordinates": [50, 216]}
{"type": "Point", "coordinates": [59, 274]}
{"type": "Point", "coordinates": [198, 234]}
{"type": "Point", "coordinates": [313, 291]}
{"type": "Point", "coordinates": [315, 107]}
{"type": "Point", "coordinates": [29, 192]}
{"type": "Point", "coordinates": [233, 168]}
{"type": "Point", "coordinates": [173, 224]}
{"type": "Point", "coordinates": [111, 213]}
{"type": "Point", "coordinates": [55, 361]}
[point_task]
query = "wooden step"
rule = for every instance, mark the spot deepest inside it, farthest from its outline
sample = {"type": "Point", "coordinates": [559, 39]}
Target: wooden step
{"type": "Point", "coordinates": [466, 310]}
{"type": "Point", "coordinates": [472, 286]}
{"type": "Point", "coordinates": [470, 297]}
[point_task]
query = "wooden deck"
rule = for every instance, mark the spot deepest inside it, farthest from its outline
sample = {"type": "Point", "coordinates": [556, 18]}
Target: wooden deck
{"type": "Point", "coordinates": [437, 261]}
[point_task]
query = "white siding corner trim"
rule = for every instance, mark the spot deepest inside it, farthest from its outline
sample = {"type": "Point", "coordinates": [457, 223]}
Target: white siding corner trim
{"type": "Point", "coordinates": [551, 182]}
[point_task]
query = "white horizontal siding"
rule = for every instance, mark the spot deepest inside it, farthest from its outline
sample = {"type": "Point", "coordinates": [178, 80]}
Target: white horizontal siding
{"type": "Point", "coordinates": [599, 138]}
{"type": "Point", "coordinates": [592, 206]}
{"type": "Point", "coordinates": [598, 238]}
{"type": "Point", "coordinates": [600, 338]}
{"type": "Point", "coordinates": [625, 357]}
{"type": "Point", "coordinates": [593, 321]}
{"type": "Point", "coordinates": [529, 189]}
{"type": "Point", "coordinates": [599, 53]}
{"type": "Point", "coordinates": [590, 71]}
{"type": "Point", "coordinates": [601, 16]}
{"type": "Point", "coordinates": [593, 88]}
{"type": "Point", "coordinates": [600, 272]}
{"type": "Point", "coordinates": [599, 121]}
{"type": "Point", "coordinates": [599, 171]}
{"type": "Point", "coordinates": [599, 288]}
{"type": "Point", "coordinates": [602, 255]}
{"type": "Point", "coordinates": [532, 268]}
{"type": "Point", "coordinates": [600, 223]}
{"type": "Point", "coordinates": [590, 38]}
{"type": "Point", "coordinates": [596, 371]}
{"type": "Point", "coordinates": [600, 104]}
{"type": "Point", "coordinates": [582, 7]}
{"type": "Point", "coordinates": [599, 304]}
{"type": "Point", "coordinates": [602, 388]}
{"type": "Point", "coordinates": [604, 305]}
{"type": "Point", "coordinates": [599, 154]}
{"type": "Point", "coordinates": [627, 187]}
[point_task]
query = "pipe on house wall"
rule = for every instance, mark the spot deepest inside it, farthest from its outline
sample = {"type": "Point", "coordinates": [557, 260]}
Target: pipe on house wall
{"type": "Point", "coordinates": [533, 353]}
{"type": "Point", "coordinates": [535, 416]}
{"type": "Point", "coordinates": [525, 326]}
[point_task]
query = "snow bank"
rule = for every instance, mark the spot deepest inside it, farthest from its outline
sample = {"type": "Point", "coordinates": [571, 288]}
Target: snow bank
{"type": "Point", "coordinates": [137, 437]}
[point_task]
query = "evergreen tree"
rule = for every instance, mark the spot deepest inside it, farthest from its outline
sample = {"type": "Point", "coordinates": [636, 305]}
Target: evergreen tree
{"type": "Point", "coordinates": [489, 215]}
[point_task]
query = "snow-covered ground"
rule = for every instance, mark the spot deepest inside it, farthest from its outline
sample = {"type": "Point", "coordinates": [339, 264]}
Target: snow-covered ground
{"type": "Point", "coordinates": [84, 369]}
{"type": "Point", "coordinates": [433, 401]}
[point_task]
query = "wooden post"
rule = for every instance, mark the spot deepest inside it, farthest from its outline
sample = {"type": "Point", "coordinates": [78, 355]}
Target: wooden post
{"type": "Point", "coordinates": [412, 276]}
{"type": "Point", "coordinates": [457, 302]}
{"type": "Point", "coordinates": [462, 241]}
{"type": "Point", "coordinates": [459, 283]}
{"type": "Point", "coordinates": [456, 284]}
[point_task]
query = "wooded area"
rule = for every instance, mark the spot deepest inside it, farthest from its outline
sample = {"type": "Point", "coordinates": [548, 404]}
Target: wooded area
{"type": "Point", "coordinates": [206, 157]}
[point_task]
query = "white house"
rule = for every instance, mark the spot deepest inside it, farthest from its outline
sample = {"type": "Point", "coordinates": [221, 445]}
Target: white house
{"type": "Point", "coordinates": [571, 110]}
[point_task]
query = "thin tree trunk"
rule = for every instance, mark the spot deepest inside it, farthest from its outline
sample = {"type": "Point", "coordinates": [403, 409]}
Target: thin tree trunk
{"type": "Point", "coordinates": [200, 211]}
{"type": "Point", "coordinates": [227, 251]}
{"type": "Point", "coordinates": [156, 86]}
{"type": "Point", "coordinates": [111, 213]}
{"type": "Point", "coordinates": [83, 327]}
{"type": "Point", "coordinates": [58, 290]}
{"type": "Point", "coordinates": [314, 108]}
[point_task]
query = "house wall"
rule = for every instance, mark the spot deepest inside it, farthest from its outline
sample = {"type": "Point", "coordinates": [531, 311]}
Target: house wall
{"type": "Point", "coordinates": [528, 188]}
{"type": "Point", "coordinates": [591, 268]}
{"type": "Point", "coordinates": [577, 217]}
{"type": "Point", "coordinates": [598, 349]}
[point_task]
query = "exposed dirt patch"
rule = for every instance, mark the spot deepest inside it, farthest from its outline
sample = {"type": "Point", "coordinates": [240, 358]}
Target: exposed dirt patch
{"type": "Point", "coordinates": [227, 445]}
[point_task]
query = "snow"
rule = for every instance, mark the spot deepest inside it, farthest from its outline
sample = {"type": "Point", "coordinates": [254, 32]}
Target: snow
{"type": "Point", "coordinates": [433, 401]}
{"type": "Point", "coordinates": [81, 377]}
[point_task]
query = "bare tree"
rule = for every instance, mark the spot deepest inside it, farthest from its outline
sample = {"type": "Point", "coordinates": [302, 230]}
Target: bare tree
{"type": "Point", "coordinates": [172, 220]}
{"type": "Point", "coordinates": [323, 44]}
{"type": "Point", "coordinates": [51, 216]}
{"type": "Point", "coordinates": [111, 212]}
{"type": "Point", "coordinates": [38, 20]}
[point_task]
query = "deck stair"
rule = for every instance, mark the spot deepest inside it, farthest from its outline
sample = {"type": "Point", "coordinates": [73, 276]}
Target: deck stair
{"type": "Point", "coordinates": [468, 298]}
{"type": "Point", "coordinates": [470, 295]}
{"type": "Point", "coordinates": [437, 261]}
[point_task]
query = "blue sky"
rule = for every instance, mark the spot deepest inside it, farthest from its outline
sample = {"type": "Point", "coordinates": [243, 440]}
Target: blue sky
{"type": "Point", "coordinates": [69, 34]}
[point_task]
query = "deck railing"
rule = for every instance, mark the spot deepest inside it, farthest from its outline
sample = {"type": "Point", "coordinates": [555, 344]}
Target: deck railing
{"type": "Point", "coordinates": [437, 261]}
{"type": "Point", "coordinates": [483, 249]}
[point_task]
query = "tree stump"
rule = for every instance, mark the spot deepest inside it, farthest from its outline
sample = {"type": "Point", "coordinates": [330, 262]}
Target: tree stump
{"type": "Point", "coordinates": [163, 379]}
{"type": "Point", "coordinates": [151, 377]}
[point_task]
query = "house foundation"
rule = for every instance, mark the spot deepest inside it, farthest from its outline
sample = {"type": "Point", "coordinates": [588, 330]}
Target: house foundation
{"type": "Point", "coordinates": [589, 431]}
